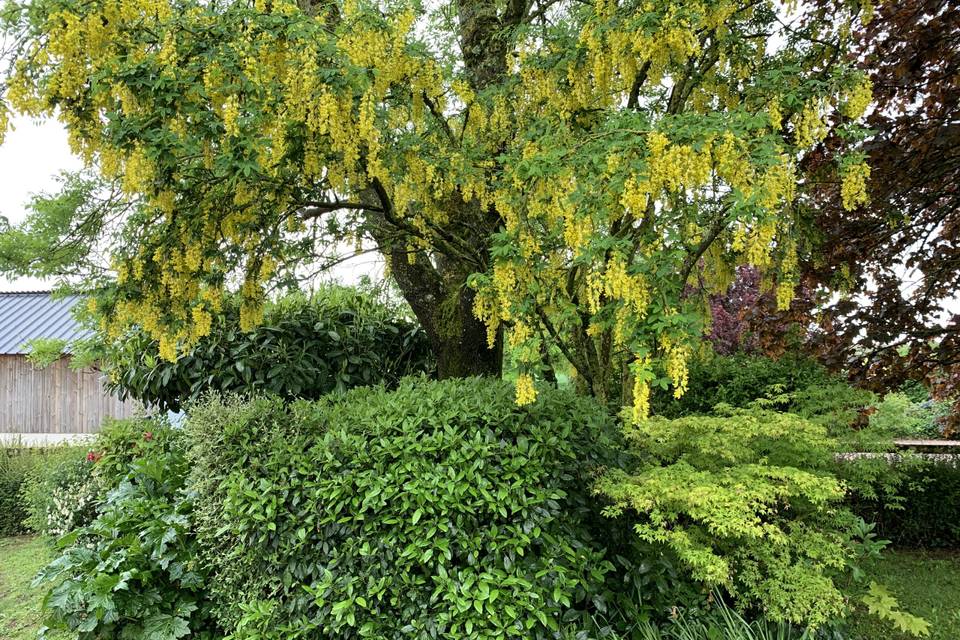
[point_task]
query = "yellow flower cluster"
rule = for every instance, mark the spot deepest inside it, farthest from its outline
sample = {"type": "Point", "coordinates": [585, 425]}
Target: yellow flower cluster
{"type": "Point", "coordinates": [577, 230]}
{"type": "Point", "coordinates": [675, 166]}
{"type": "Point", "coordinates": [676, 357]}
{"type": "Point", "coordinates": [759, 243]}
{"type": "Point", "coordinates": [858, 99]}
{"type": "Point", "coordinates": [775, 115]}
{"type": "Point", "coordinates": [732, 159]}
{"type": "Point", "coordinates": [778, 185]}
{"type": "Point", "coordinates": [487, 310]}
{"type": "Point", "coordinates": [853, 187]}
{"type": "Point", "coordinates": [138, 172]}
{"type": "Point", "coordinates": [788, 275]}
{"type": "Point", "coordinates": [809, 126]}
{"type": "Point", "coordinates": [640, 410]}
{"type": "Point", "coordinates": [636, 197]}
{"type": "Point", "coordinates": [231, 116]}
{"type": "Point", "coordinates": [784, 294]}
{"type": "Point", "coordinates": [526, 392]}
{"type": "Point", "coordinates": [630, 289]}
{"type": "Point", "coordinates": [202, 323]}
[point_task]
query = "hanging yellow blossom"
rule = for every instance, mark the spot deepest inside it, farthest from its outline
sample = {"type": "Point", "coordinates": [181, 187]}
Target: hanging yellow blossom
{"type": "Point", "coordinates": [526, 392]}
{"type": "Point", "coordinates": [858, 99]}
{"type": "Point", "coordinates": [853, 188]}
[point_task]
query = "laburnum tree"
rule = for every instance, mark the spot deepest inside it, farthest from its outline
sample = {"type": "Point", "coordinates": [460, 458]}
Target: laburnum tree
{"type": "Point", "coordinates": [536, 172]}
{"type": "Point", "coordinates": [898, 255]}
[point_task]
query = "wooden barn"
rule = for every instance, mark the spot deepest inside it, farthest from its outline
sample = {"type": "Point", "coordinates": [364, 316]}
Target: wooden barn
{"type": "Point", "coordinates": [54, 402]}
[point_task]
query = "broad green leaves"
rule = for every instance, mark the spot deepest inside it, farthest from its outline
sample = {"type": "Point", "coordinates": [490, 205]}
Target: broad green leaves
{"type": "Point", "coordinates": [438, 509]}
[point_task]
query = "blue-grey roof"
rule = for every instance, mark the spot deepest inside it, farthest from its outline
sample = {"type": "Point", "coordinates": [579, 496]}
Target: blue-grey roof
{"type": "Point", "coordinates": [29, 315]}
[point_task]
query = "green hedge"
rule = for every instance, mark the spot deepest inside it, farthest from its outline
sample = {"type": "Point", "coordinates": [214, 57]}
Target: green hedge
{"type": "Point", "coordinates": [792, 383]}
{"type": "Point", "coordinates": [926, 513]}
{"type": "Point", "coordinates": [15, 464]}
{"type": "Point", "coordinates": [439, 510]}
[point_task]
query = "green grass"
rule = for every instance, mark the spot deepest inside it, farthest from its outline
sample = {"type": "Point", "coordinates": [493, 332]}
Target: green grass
{"type": "Point", "coordinates": [926, 583]}
{"type": "Point", "coordinates": [20, 559]}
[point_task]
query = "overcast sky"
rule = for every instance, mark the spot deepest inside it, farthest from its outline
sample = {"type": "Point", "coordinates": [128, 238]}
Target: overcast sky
{"type": "Point", "coordinates": [30, 157]}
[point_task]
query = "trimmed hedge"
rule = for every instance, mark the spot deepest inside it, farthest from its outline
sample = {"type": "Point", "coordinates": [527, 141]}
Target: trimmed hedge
{"type": "Point", "coordinates": [439, 510]}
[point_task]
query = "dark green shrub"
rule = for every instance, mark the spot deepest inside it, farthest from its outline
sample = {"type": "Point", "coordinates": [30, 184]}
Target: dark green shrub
{"type": "Point", "coordinates": [902, 416]}
{"type": "Point", "coordinates": [121, 442]}
{"type": "Point", "coordinates": [926, 513]}
{"type": "Point", "coordinates": [15, 465]}
{"type": "Point", "coordinates": [438, 510]}
{"type": "Point", "coordinates": [337, 339]}
{"type": "Point", "coordinates": [133, 571]}
{"type": "Point", "coordinates": [791, 383]}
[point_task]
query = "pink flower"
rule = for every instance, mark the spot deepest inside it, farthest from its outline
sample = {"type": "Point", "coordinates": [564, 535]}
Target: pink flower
{"type": "Point", "coordinates": [94, 456]}
{"type": "Point", "coordinates": [148, 435]}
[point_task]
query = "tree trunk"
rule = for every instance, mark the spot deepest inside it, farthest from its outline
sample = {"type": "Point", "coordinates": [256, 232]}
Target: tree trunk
{"type": "Point", "coordinates": [443, 304]}
{"type": "Point", "coordinates": [461, 343]}
{"type": "Point", "coordinates": [435, 284]}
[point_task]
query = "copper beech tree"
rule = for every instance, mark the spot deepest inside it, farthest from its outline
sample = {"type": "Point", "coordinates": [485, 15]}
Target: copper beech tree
{"type": "Point", "coordinates": [535, 172]}
{"type": "Point", "coordinates": [898, 255]}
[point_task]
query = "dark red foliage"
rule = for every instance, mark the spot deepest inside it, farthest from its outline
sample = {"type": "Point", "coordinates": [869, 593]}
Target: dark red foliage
{"type": "Point", "coordinates": [746, 318]}
{"type": "Point", "coordinates": [900, 255]}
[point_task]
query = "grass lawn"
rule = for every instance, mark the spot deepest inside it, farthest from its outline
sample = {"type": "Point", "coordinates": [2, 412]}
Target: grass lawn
{"type": "Point", "coordinates": [927, 584]}
{"type": "Point", "coordinates": [20, 559]}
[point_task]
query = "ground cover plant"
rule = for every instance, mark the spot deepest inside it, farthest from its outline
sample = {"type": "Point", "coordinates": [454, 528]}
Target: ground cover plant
{"type": "Point", "coordinates": [928, 584]}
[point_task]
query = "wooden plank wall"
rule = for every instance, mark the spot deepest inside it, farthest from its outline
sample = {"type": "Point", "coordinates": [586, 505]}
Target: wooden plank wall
{"type": "Point", "coordinates": [55, 399]}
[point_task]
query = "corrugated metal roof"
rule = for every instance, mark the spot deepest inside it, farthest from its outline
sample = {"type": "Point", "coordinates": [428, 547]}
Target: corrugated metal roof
{"type": "Point", "coordinates": [35, 314]}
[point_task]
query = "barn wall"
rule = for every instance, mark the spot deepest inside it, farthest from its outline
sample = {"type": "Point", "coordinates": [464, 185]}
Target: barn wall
{"type": "Point", "coordinates": [55, 399]}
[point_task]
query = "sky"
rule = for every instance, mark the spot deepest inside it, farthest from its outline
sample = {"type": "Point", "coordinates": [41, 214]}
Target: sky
{"type": "Point", "coordinates": [31, 156]}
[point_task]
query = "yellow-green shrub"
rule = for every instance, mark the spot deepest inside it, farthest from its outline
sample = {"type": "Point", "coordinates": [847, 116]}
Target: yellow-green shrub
{"type": "Point", "coordinates": [748, 502]}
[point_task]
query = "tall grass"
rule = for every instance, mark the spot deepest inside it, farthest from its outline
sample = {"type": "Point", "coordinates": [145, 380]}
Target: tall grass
{"type": "Point", "coordinates": [726, 624]}
{"type": "Point", "coordinates": [15, 465]}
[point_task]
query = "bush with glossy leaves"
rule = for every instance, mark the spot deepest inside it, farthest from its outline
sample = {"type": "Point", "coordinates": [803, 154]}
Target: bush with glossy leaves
{"type": "Point", "coordinates": [437, 510]}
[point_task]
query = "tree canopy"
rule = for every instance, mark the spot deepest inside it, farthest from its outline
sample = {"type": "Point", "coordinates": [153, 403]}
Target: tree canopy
{"type": "Point", "coordinates": [898, 256]}
{"type": "Point", "coordinates": [551, 171]}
